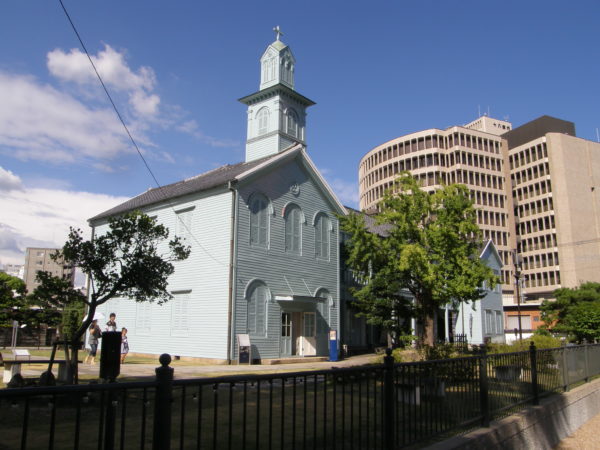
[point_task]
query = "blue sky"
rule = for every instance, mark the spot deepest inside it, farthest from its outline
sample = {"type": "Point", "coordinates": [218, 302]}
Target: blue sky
{"type": "Point", "coordinates": [376, 70]}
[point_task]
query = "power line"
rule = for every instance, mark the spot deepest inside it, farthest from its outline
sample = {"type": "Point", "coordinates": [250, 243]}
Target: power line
{"type": "Point", "coordinates": [160, 188]}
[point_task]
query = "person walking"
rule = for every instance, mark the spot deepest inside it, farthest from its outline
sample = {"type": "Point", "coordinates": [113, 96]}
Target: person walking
{"type": "Point", "coordinates": [94, 334]}
{"type": "Point", "coordinates": [111, 325]}
{"type": "Point", "coordinates": [124, 345]}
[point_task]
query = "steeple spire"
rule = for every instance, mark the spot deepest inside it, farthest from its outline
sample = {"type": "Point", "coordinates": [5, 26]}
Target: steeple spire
{"type": "Point", "coordinates": [276, 113]}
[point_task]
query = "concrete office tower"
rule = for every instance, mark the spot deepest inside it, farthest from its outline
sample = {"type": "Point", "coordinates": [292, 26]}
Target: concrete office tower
{"type": "Point", "coordinates": [555, 181]}
{"type": "Point", "coordinates": [37, 259]}
{"type": "Point", "coordinates": [456, 155]}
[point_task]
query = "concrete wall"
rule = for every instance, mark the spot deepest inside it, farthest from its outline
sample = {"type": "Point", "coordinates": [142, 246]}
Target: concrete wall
{"type": "Point", "coordinates": [539, 427]}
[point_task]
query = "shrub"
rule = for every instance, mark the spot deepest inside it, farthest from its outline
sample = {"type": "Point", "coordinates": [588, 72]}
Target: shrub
{"type": "Point", "coordinates": [442, 350]}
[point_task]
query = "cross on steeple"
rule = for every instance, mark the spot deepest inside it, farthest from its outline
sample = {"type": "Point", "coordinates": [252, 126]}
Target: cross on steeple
{"type": "Point", "coordinates": [278, 32]}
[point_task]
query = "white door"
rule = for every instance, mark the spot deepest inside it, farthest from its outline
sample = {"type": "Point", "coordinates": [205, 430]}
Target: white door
{"type": "Point", "coordinates": [286, 334]}
{"type": "Point", "coordinates": [309, 332]}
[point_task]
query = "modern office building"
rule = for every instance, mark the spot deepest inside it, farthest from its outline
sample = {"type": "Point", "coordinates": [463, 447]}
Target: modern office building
{"type": "Point", "coordinates": [472, 155]}
{"type": "Point", "coordinates": [37, 259]}
{"type": "Point", "coordinates": [536, 188]}
{"type": "Point", "coordinates": [555, 178]}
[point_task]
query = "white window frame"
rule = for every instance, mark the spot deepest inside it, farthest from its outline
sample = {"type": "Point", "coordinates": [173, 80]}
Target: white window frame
{"type": "Point", "coordinates": [489, 321]}
{"type": "Point", "coordinates": [291, 123]}
{"type": "Point", "coordinates": [322, 240]}
{"type": "Point", "coordinates": [255, 221]}
{"type": "Point", "coordinates": [262, 118]}
{"type": "Point", "coordinates": [143, 318]}
{"type": "Point", "coordinates": [184, 223]}
{"type": "Point", "coordinates": [293, 229]}
{"type": "Point", "coordinates": [252, 323]}
{"type": "Point", "coordinates": [180, 306]}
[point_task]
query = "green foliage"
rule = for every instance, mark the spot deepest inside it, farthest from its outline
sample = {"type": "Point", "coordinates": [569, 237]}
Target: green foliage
{"type": "Point", "coordinates": [573, 313]}
{"type": "Point", "coordinates": [429, 252]}
{"type": "Point", "coordinates": [443, 350]}
{"type": "Point", "coordinates": [583, 321]}
{"type": "Point", "coordinates": [540, 341]}
{"type": "Point", "coordinates": [72, 317]}
{"type": "Point", "coordinates": [12, 299]}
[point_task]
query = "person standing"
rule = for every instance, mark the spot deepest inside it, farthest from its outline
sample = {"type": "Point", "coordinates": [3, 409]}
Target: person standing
{"type": "Point", "coordinates": [124, 345]}
{"type": "Point", "coordinates": [94, 334]}
{"type": "Point", "coordinates": [111, 325]}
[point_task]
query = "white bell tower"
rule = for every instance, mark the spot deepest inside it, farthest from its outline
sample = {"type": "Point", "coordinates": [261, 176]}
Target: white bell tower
{"type": "Point", "coordinates": [276, 113]}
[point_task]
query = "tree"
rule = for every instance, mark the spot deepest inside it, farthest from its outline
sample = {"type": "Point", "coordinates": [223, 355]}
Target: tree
{"type": "Point", "coordinates": [12, 298]}
{"type": "Point", "coordinates": [561, 315]}
{"type": "Point", "coordinates": [426, 257]}
{"type": "Point", "coordinates": [124, 262]}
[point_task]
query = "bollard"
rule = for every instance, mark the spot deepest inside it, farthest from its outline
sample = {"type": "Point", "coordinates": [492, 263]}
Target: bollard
{"type": "Point", "coordinates": [162, 407]}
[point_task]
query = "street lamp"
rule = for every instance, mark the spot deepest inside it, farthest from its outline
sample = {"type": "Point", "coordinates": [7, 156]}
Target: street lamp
{"type": "Point", "coordinates": [518, 273]}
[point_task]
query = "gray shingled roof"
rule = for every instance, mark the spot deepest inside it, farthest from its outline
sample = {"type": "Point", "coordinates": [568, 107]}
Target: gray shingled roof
{"type": "Point", "coordinates": [213, 178]}
{"type": "Point", "coordinates": [372, 226]}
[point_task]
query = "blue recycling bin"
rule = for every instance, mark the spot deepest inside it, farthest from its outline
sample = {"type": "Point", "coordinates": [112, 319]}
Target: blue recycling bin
{"type": "Point", "coordinates": [333, 346]}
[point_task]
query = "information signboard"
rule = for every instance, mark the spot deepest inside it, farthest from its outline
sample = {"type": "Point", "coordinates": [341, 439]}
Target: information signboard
{"type": "Point", "coordinates": [244, 349]}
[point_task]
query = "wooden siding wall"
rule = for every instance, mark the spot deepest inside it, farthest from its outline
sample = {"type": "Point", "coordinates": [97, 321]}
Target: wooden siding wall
{"type": "Point", "coordinates": [305, 274]}
{"type": "Point", "coordinates": [492, 301]}
{"type": "Point", "coordinates": [204, 277]}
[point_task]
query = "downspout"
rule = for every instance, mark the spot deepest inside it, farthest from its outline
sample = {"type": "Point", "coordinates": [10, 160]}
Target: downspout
{"type": "Point", "coordinates": [232, 253]}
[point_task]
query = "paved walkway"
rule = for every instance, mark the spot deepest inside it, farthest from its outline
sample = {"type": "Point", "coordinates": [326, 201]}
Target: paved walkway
{"type": "Point", "coordinates": [189, 370]}
{"type": "Point", "coordinates": [585, 438]}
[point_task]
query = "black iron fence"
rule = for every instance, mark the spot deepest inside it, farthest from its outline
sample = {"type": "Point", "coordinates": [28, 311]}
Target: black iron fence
{"type": "Point", "coordinates": [381, 406]}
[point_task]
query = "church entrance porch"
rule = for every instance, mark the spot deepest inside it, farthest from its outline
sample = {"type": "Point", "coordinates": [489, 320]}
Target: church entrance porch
{"type": "Point", "coordinates": [298, 334]}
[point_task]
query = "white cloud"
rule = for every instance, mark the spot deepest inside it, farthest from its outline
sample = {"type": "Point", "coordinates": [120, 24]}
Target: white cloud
{"type": "Point", "coordinates": [9, 181]}
{"type": "Point", "coordinates": [74, 124]}
{"type": "Point", "coordinates": [347, 192]}
{"type": "Point", "coordinates": [74, 66]}
{"type": "Point", "coordinates": [34, 217]}
{"type": "Point", "coordinates": [39, 122]}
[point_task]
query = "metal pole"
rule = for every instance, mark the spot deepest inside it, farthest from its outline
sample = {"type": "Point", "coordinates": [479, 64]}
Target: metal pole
{"type": "Point", "coordinates": [517, 264]}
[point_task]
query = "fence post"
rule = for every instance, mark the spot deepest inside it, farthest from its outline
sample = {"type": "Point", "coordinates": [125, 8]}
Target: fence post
{"type": "Point", "coordinates": [389, 398]}
{"type": "Point", "coordinates": [534, 379]}
{"type": "Point", "coordinates": [483, 389]}
{"type": "Point", "coordinates": [565, 368]}
{"type": "Point", "coordinates": [587, 360]}
{"type": "Point", "coordinates": [110, 419]}
{"type": "Point", "coordinates": [161, 436]}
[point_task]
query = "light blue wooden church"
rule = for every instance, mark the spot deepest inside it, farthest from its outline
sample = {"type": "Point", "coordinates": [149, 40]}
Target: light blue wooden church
{"type": "Point", "coordinates": [264, 238]}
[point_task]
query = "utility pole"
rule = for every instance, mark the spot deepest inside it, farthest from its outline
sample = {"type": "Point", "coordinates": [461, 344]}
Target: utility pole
{"type": "Point", "coordinates": [517, 263]}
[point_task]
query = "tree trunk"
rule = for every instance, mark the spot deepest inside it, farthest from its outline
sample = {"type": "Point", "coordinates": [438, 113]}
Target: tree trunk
{"type": "Point", "coordinates": [429, 331]}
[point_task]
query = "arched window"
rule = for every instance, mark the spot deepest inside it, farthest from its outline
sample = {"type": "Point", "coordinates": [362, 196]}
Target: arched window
{"type": "Point", "coordinates": [322, 236]}
{"type": "Point", "coordinates": [257, 297]}
{"type": "Point", "coordinates": [293, 220]}
{"type": "Point", "coordinates": [259, 220]}
{"type": "Point", "coordinates": [323, 309]}
{"type": "Point", "coordinates": [292, 122]}
{"type": "Point", "coordinates": [263, 120]}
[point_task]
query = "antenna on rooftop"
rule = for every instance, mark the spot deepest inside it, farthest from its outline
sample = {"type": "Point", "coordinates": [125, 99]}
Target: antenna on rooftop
{"type": "Point", "coordinates": [478, 110]}
{"type": "Point", "coordinates": [597, 135]}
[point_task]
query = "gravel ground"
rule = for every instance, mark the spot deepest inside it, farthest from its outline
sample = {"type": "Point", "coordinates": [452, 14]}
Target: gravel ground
{"type": "Point", "coordinates": [585, 438]}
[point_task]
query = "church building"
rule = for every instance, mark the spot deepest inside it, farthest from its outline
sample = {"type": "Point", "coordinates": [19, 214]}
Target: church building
{"type": "Point", "coordinates": [264, 242]}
